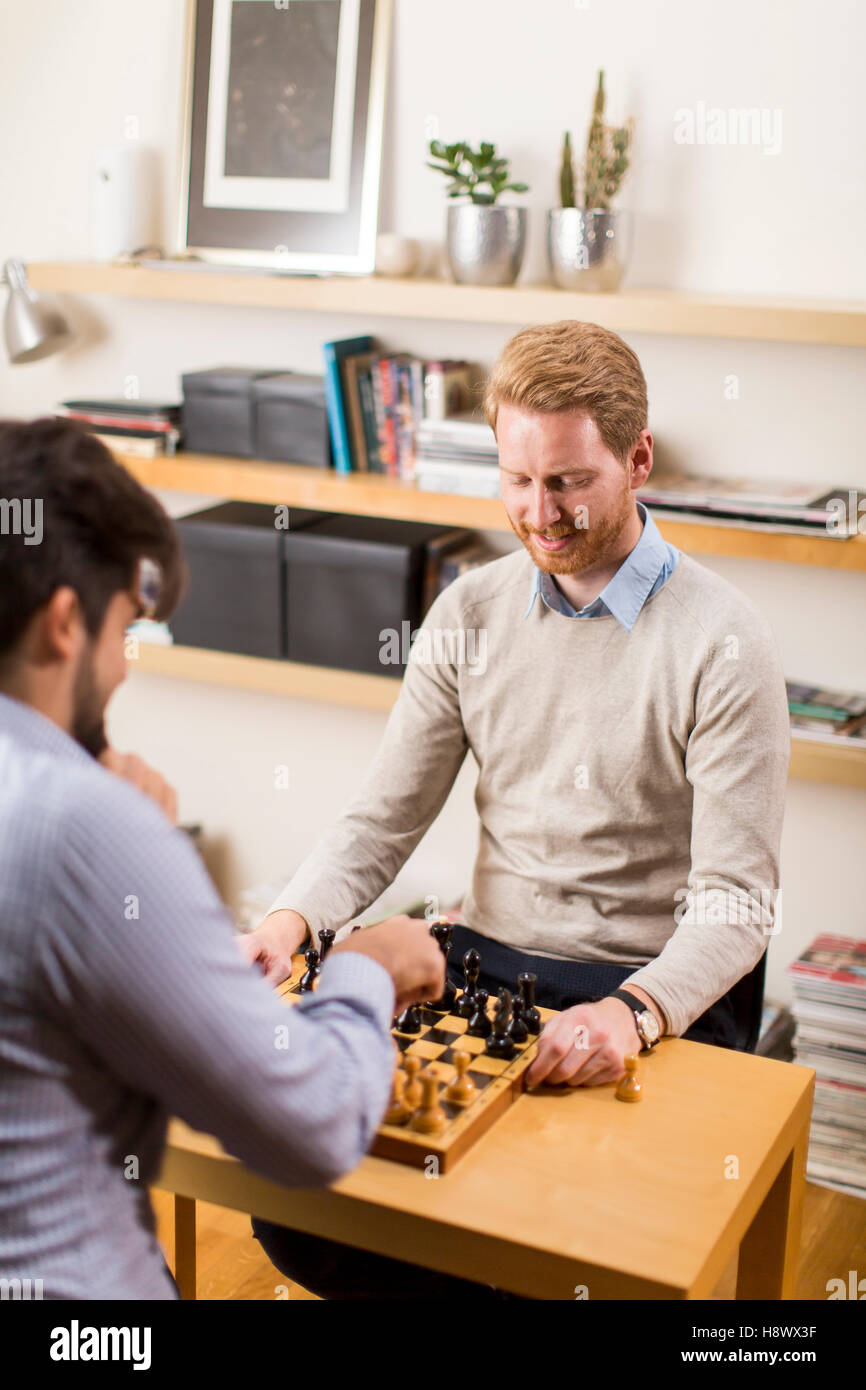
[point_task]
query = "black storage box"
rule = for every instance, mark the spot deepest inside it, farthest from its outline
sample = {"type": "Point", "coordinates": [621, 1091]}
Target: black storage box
{"type": "Point", "coordinates": [349, 580]}
{"type": "Point", "coordinates": [219, 410]}
{"type": "Point", "coordinates": [291, 419]}
{"type": "Point", "coordinates": [237, 583]}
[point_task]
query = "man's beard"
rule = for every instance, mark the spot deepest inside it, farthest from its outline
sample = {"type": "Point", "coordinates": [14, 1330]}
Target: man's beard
{"type": "Point", "coordinates": [88, 710]}
{"type": "Point", "coordinates": [591, 544]}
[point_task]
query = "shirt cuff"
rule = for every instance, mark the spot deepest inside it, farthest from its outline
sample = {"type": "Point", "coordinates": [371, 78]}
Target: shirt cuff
{"type": "Point", "coordinates": [351, 975]}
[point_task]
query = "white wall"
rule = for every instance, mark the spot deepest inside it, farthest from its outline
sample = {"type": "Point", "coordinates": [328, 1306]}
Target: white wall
{"type": "Point", "coordinates": [713, 218]}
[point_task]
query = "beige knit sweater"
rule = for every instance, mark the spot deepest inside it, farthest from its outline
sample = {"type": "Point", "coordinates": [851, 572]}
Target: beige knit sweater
{"type": "Point", "coordinates": [631, 785]}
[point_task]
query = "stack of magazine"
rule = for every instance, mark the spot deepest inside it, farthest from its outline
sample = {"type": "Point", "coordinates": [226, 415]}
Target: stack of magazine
{"type": "Point", "coordinates": [458, 454]}
{"type": "Point", "coordinates": [829, 982]}
{"type": "Point", "coordinates": [143, 428]}
{"type": "Point", "coordinates": [826, 715]}
{"type": "Point", "coordinates": [753, 504]}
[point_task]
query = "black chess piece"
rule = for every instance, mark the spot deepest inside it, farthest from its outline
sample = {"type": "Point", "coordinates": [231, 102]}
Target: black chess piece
{"type": "Point", "coordinates": [465, 1006]}
{"type": "Point", "coordinates": [409, 1020]}
{"type": "Point", "coordinates": [531, 1017]}
{"type": "Point", "coordinates": [479, 1024]}
{"type": "Point", "coordinates": [326, 941]}
{"type": "Point", "coordinates": [444, 1004]}
{"type": "Point", "coordinates": [311, 957]}
{"type": "Point", "coordinates": [518, 1031]}
{"type": "Point", "coordinates": [499, 1044]}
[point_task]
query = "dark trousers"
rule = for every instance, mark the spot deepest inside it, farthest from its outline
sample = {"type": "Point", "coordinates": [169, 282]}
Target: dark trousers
{"type": "Point", "coordinates": [336, 1271]}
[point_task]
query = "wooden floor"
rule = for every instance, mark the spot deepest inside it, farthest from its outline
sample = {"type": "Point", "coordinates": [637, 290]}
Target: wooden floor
{"type": "Point", "coordinates": [231, 1264]}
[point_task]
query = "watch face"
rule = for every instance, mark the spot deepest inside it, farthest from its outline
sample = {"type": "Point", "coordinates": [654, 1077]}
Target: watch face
{"type": "Point", "coordinates": [649, 1027]}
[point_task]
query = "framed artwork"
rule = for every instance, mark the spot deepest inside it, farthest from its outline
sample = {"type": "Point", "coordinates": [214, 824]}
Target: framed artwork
{"type": "Point", "coordinates": [283, 133]}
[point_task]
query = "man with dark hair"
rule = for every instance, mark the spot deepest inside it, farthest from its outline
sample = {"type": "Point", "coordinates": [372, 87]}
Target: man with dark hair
{"type": "Point", "coordinates": [123, 996]}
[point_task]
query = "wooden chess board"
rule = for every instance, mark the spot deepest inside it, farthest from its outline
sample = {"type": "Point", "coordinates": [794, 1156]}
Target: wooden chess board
{"type": "Point", "coordinates": [498, 1083]}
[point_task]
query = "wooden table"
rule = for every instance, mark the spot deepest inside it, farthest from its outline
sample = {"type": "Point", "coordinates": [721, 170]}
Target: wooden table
{"type": "Point", "coordinates": [570, 1188]}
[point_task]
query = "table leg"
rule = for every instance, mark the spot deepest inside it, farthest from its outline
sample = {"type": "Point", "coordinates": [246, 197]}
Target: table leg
{"type": "Point", "coordinates": [770, 1249]}
{"type": "Point", "coordinates": [184, 1246]}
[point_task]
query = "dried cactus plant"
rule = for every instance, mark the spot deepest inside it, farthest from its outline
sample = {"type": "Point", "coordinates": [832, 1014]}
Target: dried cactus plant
{"type": "Point", "coordinates": [470, 171]}
{"type": "Point", "coordinates": [567, 196]}
{"type": "Point", "coordinates": [607, 156]}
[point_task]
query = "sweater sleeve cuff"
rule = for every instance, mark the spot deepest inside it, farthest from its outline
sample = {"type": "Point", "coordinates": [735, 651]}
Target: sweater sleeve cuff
{"type": "Point", "coordinates": [351, 975]}
{"type": "Point", "coordinates": [304, 906]}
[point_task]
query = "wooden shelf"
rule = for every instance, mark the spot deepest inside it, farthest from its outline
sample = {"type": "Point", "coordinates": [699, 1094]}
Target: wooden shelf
{"type": "Point", "coordinates": [268, 677]}
{"type": "Point", "coordinates": [822, 762]}
{"type": "Point", "coordinates": [812, 761]}
{"type": "Point", "coordinates": [841, 322]}
{"type": "Point", "coordinates": [371, 494]}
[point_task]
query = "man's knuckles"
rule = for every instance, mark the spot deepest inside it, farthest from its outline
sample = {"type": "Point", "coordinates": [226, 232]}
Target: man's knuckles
{"type": "Point", "coordinates": [556, 1046]}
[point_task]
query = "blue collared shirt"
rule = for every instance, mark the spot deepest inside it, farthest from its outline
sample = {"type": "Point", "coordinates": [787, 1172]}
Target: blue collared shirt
{"type": "Point", "coordinates": [641, 574]}
{"type": "Point", "coordinates": [124, 999]}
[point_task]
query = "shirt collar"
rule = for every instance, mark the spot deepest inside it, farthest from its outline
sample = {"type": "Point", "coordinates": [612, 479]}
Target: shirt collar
{"type": "Point", "coordinates": [26, 725]}
{"type": "Point", "coordinates": [625, 594]}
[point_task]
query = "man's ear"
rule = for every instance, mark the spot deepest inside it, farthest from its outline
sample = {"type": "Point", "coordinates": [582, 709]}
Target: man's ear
{"type": "Point", "coordinates": [59, 628]}
{"type": "Point", "coordinates": [641, 460]}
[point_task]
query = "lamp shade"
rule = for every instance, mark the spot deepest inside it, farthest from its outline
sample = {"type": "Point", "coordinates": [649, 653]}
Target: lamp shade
{"type": "Point", "coordinates": [31, 329]}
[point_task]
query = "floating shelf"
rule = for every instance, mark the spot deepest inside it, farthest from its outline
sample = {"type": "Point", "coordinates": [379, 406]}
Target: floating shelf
{"type": "Point", "coordinates": [841, 322]}
{"type": "Point", "coordinates": [371, 494]}
{"type": "Point", "coordinates": [810, 760]}
{"type": "Point", "coordinates": [268, 677]}
{"type": "Point", "coordinates": [822, 762]}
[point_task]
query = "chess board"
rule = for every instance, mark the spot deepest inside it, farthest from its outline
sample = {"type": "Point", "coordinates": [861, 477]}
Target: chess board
{"type": "Point", "coordinates": [498, 1083]}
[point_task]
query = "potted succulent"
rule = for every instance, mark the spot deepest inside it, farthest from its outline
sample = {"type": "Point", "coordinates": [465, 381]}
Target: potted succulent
{"type": "Point", "coordinates": [587, 243]}
{"type": "Point", "coordinates": [485, 244]}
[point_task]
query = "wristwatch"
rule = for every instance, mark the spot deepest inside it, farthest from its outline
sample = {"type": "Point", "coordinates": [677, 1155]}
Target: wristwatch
{"type": "Point", "coordinates": [647, 1024]}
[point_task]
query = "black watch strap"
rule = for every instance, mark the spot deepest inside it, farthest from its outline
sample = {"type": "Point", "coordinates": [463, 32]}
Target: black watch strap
{"type": "Point", "coordinates": [636, 1005]}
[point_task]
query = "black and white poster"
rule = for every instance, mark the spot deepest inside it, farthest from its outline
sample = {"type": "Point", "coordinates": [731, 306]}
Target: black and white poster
{"type": "Point", "coordinates": [285, 105]}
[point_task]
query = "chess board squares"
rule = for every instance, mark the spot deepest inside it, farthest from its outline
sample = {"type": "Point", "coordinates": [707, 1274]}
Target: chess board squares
{"type": "Point", "coordinates": [422, 1048]}
{"type": "Point", "coordinates": [491, 1066]}
{"type": "Point", "coordinates": [449, 1021]}
{"type": "Point", "coordinates": [441, 1035]}
{"type": "Point", "coordinates": [430, 1019]}
{"type": "Point", "coordinates": [446, 1072]}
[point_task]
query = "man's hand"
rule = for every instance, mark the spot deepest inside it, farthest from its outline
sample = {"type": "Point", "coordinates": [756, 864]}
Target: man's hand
{"type": "Point", "coordinates": [133, 769]}
{"type": "Point", "coordinates": [408, 952]}
{"type": "Point", "coordinates": [585, 1045]}
{"type": "Point", "coordinates": [273, 943]}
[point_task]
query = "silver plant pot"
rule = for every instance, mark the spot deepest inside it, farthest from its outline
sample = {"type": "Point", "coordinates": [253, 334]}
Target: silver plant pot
{"type": "Point", "coordinates": [485, 244]}
{"type": "Point", "coordinates": [588, 250]}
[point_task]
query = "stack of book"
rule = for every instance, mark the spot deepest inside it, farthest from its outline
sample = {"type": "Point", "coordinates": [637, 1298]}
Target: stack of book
{"type": "Point", "coordinates": [826, 715]}
{"type": "Point", "coordinates": [756, 505]}
{"type": "Point", "coordinates": [829, 982]}
{"type": "Point", "coordinates": [458, 455]}
{"type": "Point", "coordinates": [143, 428]}
{"type": "Point", "coordinates": [377, 403]}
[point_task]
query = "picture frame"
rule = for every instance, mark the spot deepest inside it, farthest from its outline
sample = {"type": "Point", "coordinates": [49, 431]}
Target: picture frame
{"type": "Point", "coordinates": [282, 133]}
